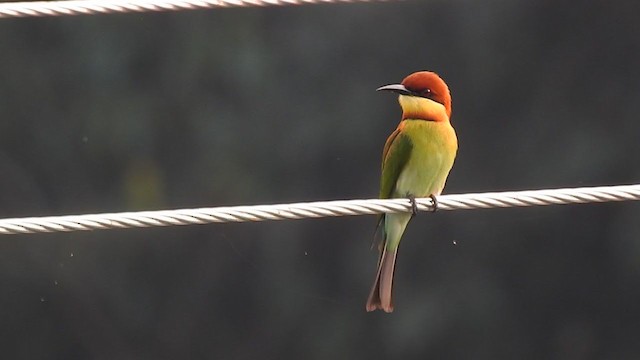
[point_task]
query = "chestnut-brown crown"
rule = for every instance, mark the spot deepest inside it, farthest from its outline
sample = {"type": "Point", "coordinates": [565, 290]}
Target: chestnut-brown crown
{"type": "Point", "coordinates": [429, 85]}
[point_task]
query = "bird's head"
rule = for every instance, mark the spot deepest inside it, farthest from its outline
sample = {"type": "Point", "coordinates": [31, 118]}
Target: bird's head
{"type": "Point", "coordinates": [423, 95]}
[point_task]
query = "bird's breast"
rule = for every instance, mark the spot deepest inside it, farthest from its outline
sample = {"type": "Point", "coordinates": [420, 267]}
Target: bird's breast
{"type": "Point", "coordinates": [434, 147]}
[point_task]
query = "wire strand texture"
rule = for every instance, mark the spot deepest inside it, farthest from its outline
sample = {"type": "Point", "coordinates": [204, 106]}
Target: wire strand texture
{"type": "Point", "coordinates": [316, 209]}
{"type": "Point", "coordinates": [90, 7]}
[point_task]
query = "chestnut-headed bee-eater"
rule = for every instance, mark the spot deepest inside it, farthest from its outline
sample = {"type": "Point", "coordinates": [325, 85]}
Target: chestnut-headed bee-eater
{"type": "Point", "coordinates": [416, 161]}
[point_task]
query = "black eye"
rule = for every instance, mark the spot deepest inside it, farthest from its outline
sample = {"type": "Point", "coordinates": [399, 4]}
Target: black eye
{"type": "Point", "coordinates": [425, 92]}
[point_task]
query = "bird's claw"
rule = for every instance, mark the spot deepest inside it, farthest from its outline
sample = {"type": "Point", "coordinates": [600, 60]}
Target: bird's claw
{"type": "Point", "coordinates": [435, 202]}
{"type": "Point", "coordinates": [414, 206]}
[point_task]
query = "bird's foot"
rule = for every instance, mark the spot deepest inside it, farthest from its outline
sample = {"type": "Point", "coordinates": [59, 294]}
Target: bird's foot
{"type": "Point", "coordinates": [414, 206]}
{"type": "Point", "coordinates": [435, 202]}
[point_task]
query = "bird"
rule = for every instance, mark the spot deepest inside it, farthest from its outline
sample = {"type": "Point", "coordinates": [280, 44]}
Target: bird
{"type": "Point", "coordinates": [416, 161]}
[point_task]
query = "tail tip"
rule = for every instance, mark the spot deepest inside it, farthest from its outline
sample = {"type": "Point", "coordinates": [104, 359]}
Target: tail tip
{"type": "Point", "coordinates": [378, 306]}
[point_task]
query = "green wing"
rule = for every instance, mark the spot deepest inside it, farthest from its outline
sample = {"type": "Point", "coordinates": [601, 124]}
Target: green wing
{"type": "Point", "coordinates": [395, 156]}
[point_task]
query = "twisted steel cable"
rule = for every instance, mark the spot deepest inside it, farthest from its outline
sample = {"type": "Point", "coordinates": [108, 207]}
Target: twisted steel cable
{"type": "Point", "coordinates": [90, 7]}
{"type": "Point", "coordinates": [317, 209]}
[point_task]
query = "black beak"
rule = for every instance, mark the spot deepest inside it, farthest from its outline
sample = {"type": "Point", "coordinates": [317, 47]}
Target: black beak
{"type": "Point", "coordinates": [396, 88]}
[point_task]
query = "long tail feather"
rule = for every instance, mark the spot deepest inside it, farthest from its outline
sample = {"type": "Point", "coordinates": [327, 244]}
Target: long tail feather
{"type": "Point", "coordinates": [380, 295]}
{"type": "Point", "coordinates": [391, 227]}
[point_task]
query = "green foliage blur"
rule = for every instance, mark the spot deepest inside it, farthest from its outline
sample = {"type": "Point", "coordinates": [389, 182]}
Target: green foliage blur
{"type": "Point", "coordinates": [270, 105]}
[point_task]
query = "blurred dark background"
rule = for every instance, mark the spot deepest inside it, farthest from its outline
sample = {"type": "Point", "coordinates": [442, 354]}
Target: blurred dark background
{"type": "Point", "coordinates": [269, 105]}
